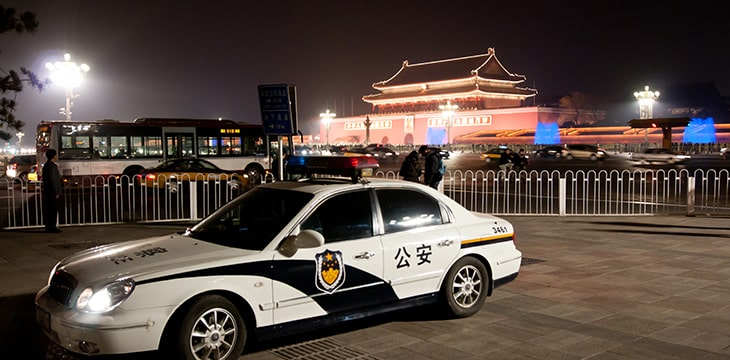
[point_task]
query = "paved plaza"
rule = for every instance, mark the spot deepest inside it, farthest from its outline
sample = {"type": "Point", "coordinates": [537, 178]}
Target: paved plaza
{"type": "Point", "coordinates": [650, 287]}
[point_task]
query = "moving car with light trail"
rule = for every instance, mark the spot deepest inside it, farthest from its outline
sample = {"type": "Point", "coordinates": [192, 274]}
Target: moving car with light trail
{"type": "Point", "coordinates": [658, 155]}
{"type": "Point", "coordinates": [281, 258]}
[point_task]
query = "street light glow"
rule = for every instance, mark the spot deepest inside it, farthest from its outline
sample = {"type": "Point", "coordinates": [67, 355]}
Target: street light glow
{"type": "Point", "coordinates": [327, 117]}
{"type": "Point", "coordinates": [68, 74]}
{"type": "Point", "coordinates": [448, 111]}
{"type": "Point", "coordinates": [646, 101]}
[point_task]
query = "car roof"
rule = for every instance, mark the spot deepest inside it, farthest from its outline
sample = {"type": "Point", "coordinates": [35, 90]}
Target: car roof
{"type": "Point", "coordinates": [331, 185]}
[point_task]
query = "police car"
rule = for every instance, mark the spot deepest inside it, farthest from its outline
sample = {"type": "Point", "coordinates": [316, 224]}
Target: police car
{"type": "Point", "coordinates": [280, 258]}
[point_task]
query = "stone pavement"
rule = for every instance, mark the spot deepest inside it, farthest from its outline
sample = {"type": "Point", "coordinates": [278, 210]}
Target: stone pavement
{"type": "Point", "coordinates": [650, 287]}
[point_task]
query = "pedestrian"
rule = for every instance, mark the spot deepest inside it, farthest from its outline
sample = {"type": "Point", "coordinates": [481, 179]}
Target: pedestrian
{"type": "Point", "coordinates": [521, 161]}
{"type": "Point", "coordinates": [506, 160]}
{"type": "Point", "coordinates": [431, 175]}
{"type": "Point", "coordinates": [410, 169]}
{"type": "Point", "coordinates": [51, 191]}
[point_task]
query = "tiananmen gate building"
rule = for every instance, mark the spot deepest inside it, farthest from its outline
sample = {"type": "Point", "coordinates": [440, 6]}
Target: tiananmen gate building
{"type": "Point", "coordinates": [493, 107]}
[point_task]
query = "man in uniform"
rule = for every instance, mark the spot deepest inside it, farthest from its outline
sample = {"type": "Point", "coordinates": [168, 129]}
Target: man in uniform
{"type": "Point", "coordinates": [51, 191]}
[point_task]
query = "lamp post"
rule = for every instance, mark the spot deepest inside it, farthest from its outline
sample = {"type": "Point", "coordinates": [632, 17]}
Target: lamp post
{"type": "Point", "coordinates": [327, 121]}
{"type": "Point", "coordinates": [448, 111]}
{"type": "Point", "coordinates": [646, 101]}
{"type": "Point", "coordinates": [68, 74]}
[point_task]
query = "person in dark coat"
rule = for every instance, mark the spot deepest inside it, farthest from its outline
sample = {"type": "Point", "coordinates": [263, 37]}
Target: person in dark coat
{"type": "Point", "coordinates": [51, 191]}
{"type": "Point", "coordinates": [410, 169]}
{"type": "Point", "coordinates": [431, 175]}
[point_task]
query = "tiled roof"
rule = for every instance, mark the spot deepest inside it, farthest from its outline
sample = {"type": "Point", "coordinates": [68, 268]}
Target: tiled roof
{"type": "Point", "coordinates": [485, 65]}
{"type": "Point", "coordinates": [470, 90]}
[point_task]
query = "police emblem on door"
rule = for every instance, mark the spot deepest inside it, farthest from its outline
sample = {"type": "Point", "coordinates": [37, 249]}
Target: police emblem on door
{"type": "Point", "coordinates": [330, 271]}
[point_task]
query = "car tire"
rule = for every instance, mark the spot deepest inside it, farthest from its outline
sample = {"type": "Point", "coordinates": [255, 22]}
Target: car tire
{"type": "Point", "coordinates": [569, 157]}
{"type": "Point", "coordinates": [465, 287]}
{"type": "Point", "coordinates": [255, 174]}
{"type": "Point", "coordinates": [211, 325]}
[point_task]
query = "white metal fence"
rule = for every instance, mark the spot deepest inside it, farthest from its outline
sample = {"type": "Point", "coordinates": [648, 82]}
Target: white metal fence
{"type": "Point", "coordinates": [101, 200]}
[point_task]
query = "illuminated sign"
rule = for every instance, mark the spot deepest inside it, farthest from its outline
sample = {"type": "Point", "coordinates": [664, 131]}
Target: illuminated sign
{"type": "Point", "coordinates": [461, 121]}
{"type": "Point", "coordinates": [230, 131]}
{"type": "Point", "coordinates": [375, 125]}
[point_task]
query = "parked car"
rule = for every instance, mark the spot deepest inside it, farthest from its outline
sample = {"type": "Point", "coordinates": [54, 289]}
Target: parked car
{"type": "Point", "coordinates": [357, 151]}
{"type": "Point", "coordinates": [338, 149]}
{"type": "Point", "coordinates": [18, 166]}
{"type": "Point", "coordinates": [658, 155]}
{"type": "Point", "coordinates": [384, 153]}
{"type": "Point", "coordinates": [284, 257]}
{"type": "Point", "coordinates": [723, 153]}
{"type": "Point", "coordinates": [583, 151]}
{"type": "Point", "coordinates": [171, 173]}
{"type": "Point", "coordinates": [549, 151]}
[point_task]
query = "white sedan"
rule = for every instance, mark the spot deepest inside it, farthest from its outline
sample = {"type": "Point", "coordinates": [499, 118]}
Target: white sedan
{"type": "Point", "coordinates": [280, 258]}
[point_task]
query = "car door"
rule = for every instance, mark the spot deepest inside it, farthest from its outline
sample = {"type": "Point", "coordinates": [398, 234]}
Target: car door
{"type": "Point", "coordinates": [419, 241]}
{"type": "Point", "coordinates": [344, 274]}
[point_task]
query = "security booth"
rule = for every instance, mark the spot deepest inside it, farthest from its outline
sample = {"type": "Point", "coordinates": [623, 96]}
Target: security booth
{"type": "Point", "coordinates": [666, 124]}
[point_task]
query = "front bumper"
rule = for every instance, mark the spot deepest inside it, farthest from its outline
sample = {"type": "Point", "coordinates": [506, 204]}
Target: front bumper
{"type": "Point", "coordinates": [116, 332]}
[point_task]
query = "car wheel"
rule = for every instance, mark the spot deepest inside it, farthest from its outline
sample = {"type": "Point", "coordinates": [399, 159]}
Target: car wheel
{"type": "Point", "coordinates": [465, 287]}
{"type": "Point", "coordinates": [255, 175]}
{"type": "Point", "coordinates": [593, 157]}
{"type": "Point", "coordinates": [569, 157]}
{"type": "Point", "coordinates": [212, 328]}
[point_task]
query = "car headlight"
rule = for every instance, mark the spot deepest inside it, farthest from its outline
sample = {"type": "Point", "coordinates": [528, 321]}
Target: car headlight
{"type": "Point", "coordinates": [105, 298]}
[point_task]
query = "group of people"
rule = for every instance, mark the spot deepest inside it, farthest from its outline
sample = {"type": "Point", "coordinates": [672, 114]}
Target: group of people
{"type": "Point", "coordinates": [511, 161]}
{"type": "Point", "coordinates": [411, 169]}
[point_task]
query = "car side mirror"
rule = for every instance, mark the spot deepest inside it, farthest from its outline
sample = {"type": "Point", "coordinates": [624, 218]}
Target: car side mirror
{"type": "Point", "coordinates": [304, 240]}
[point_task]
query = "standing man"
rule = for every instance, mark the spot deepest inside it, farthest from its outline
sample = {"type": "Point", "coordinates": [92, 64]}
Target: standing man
{"type": "Point", "coordinates": [431, 175]}
{"type": "Point", "coordinates": [51, 191]}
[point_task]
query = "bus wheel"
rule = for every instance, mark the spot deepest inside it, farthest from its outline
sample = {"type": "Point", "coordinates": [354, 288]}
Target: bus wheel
{"type": "Point", "coordinates": [255, 174]}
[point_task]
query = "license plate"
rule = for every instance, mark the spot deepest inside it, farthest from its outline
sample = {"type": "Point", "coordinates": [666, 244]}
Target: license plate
{"type": "Point", "coordinates": [44, 320]}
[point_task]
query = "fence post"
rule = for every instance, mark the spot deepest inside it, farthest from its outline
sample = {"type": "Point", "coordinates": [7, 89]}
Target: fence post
{"type": "Point", "coordinates": [193, 200]}
{"type": "Point", "coordinates": [690, 196]}
{"type": "Point", "coordinates": [561, 195]}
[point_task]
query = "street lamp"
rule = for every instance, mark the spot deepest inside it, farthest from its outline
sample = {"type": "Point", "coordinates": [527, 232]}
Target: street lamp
{"type": "Point", "coordinates": [327, 121]}
{"type": "Point", "coordinates": [448, 111]}
{"type": "Point", "coordinates": [68, 74]}
{"type": "Point", "coordinates": [646, 101]}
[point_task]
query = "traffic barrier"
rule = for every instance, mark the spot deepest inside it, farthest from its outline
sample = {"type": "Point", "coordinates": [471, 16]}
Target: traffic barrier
{"type": "Point", "coordinates": [106, 200]}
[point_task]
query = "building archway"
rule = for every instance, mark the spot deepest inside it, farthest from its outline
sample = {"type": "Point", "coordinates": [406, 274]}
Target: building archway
{"type": "Point", "coordinates": [408, 140]}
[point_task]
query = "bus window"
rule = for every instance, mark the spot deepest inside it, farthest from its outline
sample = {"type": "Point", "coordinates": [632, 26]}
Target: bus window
{"type": "Point", "coordinates": [119, 146]}
{"type": "Point", "coordinates": [207, 145]}
{"type": "Point", "coordinates": [101, 147]}
{"type": "Point", "coordinates": [75, 147]}
{"type": "Point", "coordinates": [146, 146]}
{"type": "Point", "coordinates": [231, 145]}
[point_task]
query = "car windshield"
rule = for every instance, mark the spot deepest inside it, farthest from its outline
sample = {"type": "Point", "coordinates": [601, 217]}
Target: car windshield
{"type": "Point", "coordinates": [252, 220]}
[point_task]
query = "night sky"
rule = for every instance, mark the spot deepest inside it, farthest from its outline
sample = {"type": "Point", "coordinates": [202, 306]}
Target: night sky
{"type": "Point", "coordinates": [204, 59]}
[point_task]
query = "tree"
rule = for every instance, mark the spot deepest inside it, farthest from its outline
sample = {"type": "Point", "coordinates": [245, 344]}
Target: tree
{"type": "Point", "coordinates": [584, 107]}
{"type": "Point", "coordinates": [12, 81]}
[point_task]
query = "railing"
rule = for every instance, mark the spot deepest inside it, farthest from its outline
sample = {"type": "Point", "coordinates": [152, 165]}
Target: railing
{"type": "Point", "coordinates": [102, 200]}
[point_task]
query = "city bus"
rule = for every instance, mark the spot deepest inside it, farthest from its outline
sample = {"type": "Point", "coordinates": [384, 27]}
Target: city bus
{"type": "Point", "coordinates": [116, 148]}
